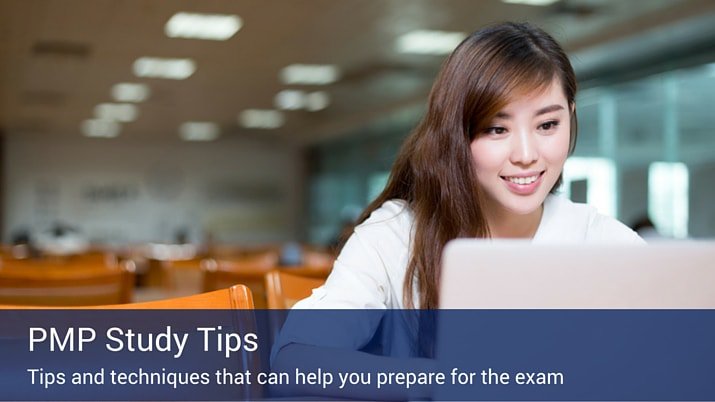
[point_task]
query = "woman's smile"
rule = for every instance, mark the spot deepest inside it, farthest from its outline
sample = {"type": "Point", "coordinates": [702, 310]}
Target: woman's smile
{"type": "Point", "coordinates": [524, 183]}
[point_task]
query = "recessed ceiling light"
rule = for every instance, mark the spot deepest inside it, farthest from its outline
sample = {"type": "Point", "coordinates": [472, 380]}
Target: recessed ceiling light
{"type": "Point", "coordinates": [290, 99]}
{"type": "Point", "coordinates": [124, 112]}
{"type": "Point", "coordinates": [99, 128]}
{"type": "Point", "coordinates": [202, 26]}
{"type": "Point", "coordinates": [199, 131]}
{"type": "Point", "coordinates": [260, 118]}
{"type": "Point", "coordinates": [156, 67]}
{"type": "Point", "coordinates": [293, 99]}
{"type": "Point", "coordinates": [531, 2]}
{"type": "Point", "coordinates": [130, 92]}
{"type": "Point", "coordinates": [429, 42]}
{"type": "Point", "coordinates": [309, 74]}
{"type": "Point", "coordinates": [316, 101]}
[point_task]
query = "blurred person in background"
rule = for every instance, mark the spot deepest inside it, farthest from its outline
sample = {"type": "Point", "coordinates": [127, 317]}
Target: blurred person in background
{"type": "Point", "coordinates": [61, 240]}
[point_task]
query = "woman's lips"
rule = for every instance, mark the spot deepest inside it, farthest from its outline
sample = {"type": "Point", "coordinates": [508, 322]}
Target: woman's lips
{"type": "Point", "coordinates": [524, 184]}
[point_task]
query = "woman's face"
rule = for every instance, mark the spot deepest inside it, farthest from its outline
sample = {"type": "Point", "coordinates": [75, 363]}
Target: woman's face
{"type": "Point", "coordinates": [519, 157]}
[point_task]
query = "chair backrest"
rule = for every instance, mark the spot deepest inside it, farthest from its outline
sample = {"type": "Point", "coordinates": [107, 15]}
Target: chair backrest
{"type": "Point", "coordinates": [182, 277]}
{"type": "Point", "coordinates": [313, 258]}
{"type": "Point", "coordinates": [309, 271]}
{"type": "Point", "coordinates": [50, 284]}
{"type": "Point", "coordinates": [223, 273]}
{"type": "Point", "coordinates": [284, 289]}
{"type": "Point", "coordinates": [235, 297]}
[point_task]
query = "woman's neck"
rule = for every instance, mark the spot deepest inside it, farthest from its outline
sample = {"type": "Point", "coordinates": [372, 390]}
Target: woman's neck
{"type": "Point", "coordinates": [508, 225]}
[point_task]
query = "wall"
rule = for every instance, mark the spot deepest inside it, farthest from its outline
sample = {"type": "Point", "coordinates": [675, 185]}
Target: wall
{"type": "Point", "coordinates": [119, 192]}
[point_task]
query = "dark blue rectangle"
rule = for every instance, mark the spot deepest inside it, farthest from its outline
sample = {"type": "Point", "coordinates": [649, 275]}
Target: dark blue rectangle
{"type": "Point", "coordinates": [567, 354]}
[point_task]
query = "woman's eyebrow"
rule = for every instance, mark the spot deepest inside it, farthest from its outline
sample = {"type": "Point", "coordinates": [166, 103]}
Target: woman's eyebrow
{"type": "Point", "coordinates": [543, 110]}
{"type": "Point", "coordinates": [548, 109]}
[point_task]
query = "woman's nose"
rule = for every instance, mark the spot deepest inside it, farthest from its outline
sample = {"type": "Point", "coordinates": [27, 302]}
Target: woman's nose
{"type": "Point", "coordinates": [524, 150]}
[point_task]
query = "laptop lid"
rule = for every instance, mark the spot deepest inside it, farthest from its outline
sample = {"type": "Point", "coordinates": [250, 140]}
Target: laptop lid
{"type": "Point", "coordinates": [479, 274]}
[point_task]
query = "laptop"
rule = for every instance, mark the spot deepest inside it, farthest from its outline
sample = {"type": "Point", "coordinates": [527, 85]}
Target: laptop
{"type": "Point", "coordinates": [479, 274]}
{"type": "Point", "coordinates": [577, 322]}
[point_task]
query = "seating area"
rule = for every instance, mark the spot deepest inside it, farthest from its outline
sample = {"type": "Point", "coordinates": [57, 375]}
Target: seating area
{"type": "Point", "coordinates": [71, 282]}
{"type": "Point", "coordinates": [153, 275]}
{"type": "Point", "coordinates": [285, 288]}
{"type": "Point", "coordinates": [235, 297]}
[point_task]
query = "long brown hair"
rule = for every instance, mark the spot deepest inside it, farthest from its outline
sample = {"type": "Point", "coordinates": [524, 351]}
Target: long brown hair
{"type": "Point", "coordinates": [434, 171]}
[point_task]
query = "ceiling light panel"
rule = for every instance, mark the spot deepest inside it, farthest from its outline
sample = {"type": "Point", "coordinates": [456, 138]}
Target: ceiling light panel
{"type": "Point", "coordinates": [429, 42]}
{"type": "Point", "coordinates": [124, 112]}
{"type": "Point", "coordinates": [202, 26]}
{"type": "Point", "coordinates": [130, 92]}
{"type": "Point", "coordinates": [156, 67]}
{"type": "Point", "coordinates": [98, 128]}
{"type": "Point", "coordinates": [316, 101]}
{"type": "Point", "coordinates": [290, 99]}
{"type": "Point", "coordinates": [293, 99]}
{"type": "Point", "coordinates": [199, 131]}
{"type": "Point", "coordinates": [309, 74]}
{"type": "Point", "coordinates": [260, 118]}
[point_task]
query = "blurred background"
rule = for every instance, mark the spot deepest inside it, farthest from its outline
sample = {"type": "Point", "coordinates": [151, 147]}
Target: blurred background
{"type": "Point", "coordinates": [255, 122]}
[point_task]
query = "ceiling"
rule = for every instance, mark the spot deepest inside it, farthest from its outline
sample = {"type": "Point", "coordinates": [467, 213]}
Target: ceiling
{"type": "Point", "coordinates": [60, 58]}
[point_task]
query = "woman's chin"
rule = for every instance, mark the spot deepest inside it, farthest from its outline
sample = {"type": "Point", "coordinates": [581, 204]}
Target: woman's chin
{"type": "Point", "coordinates": [525, 207]}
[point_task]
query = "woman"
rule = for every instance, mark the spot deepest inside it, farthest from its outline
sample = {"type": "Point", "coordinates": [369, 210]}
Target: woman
{"type": "Point", "coordinates": [484, 162]}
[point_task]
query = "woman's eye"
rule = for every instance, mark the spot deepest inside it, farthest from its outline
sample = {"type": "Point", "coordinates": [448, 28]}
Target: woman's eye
{"type": "Point", "coordinates": [495, 130]}
{"type": "Point", "coordinates": [549, 125]}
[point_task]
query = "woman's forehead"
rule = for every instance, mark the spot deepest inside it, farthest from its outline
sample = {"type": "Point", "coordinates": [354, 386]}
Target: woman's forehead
{"type": "Point", "coordinates": [536, 95]}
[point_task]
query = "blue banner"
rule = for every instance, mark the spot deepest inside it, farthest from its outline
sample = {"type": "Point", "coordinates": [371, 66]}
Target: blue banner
{"type": "Point", "coordinates": [348, 354]}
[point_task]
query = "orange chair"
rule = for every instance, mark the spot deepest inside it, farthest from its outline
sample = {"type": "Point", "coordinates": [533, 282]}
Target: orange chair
{"type": "Point", "coordinates": [236, 297]}
{"type": "Point", "coordinates": [248, 271]}
{"type": "Point", "coordinates": [182, 278]}
{"type": "Point", "coordinates": [42, 283]}
{"type": "Point", "coordinates": [310, 271]}
{"type": "Point", "coordinates": [315, 258]}
{"type": "Point", "coordinates": [283, 289]}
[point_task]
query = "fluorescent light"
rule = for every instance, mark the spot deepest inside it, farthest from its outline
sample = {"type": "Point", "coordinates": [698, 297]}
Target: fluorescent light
{"type": "Point", "coordinates": [130, 92]}
{"type": "Point", "coordinates": [202, 26]}
{"type": "Point", "coordinates": [290, 99]}
{"type": "Point", "coordinates": [259, 118]}
{"type": "Point", "coordinates": [531, 2]}
{"type": "Point", "coordinates": [99, 128]}
{"type": "Point", "coordinates": [156, 67]}
{"type": "Point", "coordinates": [309, 74]}
{"type": "Point", "coordinates": [199, 131]}
{"type": "Point", "coordinates": [124, 112]}
{"type": "Point", "coordinates": [316, 101]}
{"type": "Point", "coordinates": [429, 42]}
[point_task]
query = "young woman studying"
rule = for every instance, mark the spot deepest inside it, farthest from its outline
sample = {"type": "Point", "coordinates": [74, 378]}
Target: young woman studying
{"type": "Point", "coordinates": [484, 162]}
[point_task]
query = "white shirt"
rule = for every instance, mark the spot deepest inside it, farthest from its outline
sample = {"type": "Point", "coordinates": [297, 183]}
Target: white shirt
{"type": "Point", "coordinates": [370, 271]}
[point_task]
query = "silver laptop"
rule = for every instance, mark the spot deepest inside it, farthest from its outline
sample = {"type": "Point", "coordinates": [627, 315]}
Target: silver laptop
{"type": "Point", "coordinates": [479, 274]}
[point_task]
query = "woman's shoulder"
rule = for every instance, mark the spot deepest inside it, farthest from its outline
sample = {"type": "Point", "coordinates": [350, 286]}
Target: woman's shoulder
{"type": "Point", "coordinates": [388, 233]}
{"type": "Point", "coordinates": [393, 216]}
{"type": "Point", "coordinates": [370, 269]}
{"type": "Point", "coordinates": [565, 220]}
